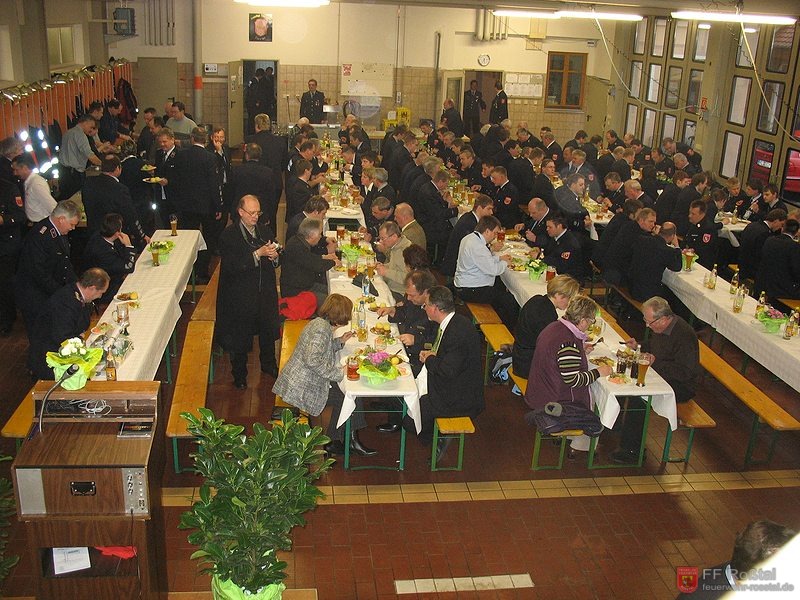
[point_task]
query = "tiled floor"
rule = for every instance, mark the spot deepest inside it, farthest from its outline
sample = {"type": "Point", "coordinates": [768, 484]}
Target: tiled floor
{"type": "Point", "coordinates": [576, 533]}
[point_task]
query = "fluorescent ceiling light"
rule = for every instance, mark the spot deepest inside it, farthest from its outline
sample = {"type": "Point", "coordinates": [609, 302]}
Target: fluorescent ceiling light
{"type": "Point", "coordinates": [603, 16]}
{"type": "Point", "coordinates": [733, 17]}
{"type": "Point", "coordinates": [525, 14]}
{"type": "Point", "coordinates": [704, 25]}
{"type": "Point", "coordinates": [286, 3]}
{"type": "Point", "coordinates": [749, 29]}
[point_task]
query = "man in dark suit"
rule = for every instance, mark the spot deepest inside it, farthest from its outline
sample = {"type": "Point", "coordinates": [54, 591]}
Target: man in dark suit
{"type": "Point", "coordinates": [298, 191]}
{"type": "Point", "coordinates": [247, 302]}
{"type": "Point", "coordinates": [199, 198]}
{"type": "Point", "coordinates": [651, 255]}
{"type": "Point", "coordinates": [753, 239]}
{"type": "Point", "coordinates": [553, 150]}
{"type": "Point", "coordinates": [312, 102]}
{"type": "Point", "coordinates": [11, 227]}
{"type": "Point", "coordinates": [316, 208]}
{"type": "Point", "coordinates": [633, 191]}
{"type": "Point", "coordinates": [470, 169]}
{"type": "Point", "coordinates": [617, 261]}
{"type": "Point", "coordinates": [473, 105]}
{"type": "Point", "coordinates": [665, 203]}
{"type": "Point", "coordinates": [642, 156]}
{"type": "Point", "coordinates": [610, 231]}
{"type": "Point", "coordinates": [302, 270]}
{"type": "Point", "coordinates": [104, 194]}
{"type": "Point", "coordinates": [483, 206]}
{"type": "Point", "coordinates": [451, 118]}
{"type": "Point", "coordinates": [662, 162]}
{"type": "Point", "coordinates": [543, 183]}
{"type": "Point", "coordinates": [436, 208]}
{"type": "Point", "coordinates": [273, 155]}
{"type": "Point", "coordinates": [770, 200]}
{"type": "Point", "coordinates": [579, 166]}
{"type": "Point", "coordinates": [499, 110]}
{"type": "Point", "coordinates": [568, 202]}
{"type": "Point", "coordinates": [613, 141]}
{"type": "Point", "coordinates": [402, 157]}
{"type": "Point", "coordinates": [455, 380]}
{"type": "Point", "coordinates": [165, 196]}
{"type": "Point", "coordinates": [251, 178]}
{"type": "Point", "coordinates": [702, 236]}
{"type": "Point", "coordinates": [693, 191]}
{"type": "Point", "coordinates": [110, 249]}
{"type": "Point", "coordinates": [614, 196]}
{"type": "Point", "coordinates": [506, 198]}
{"type": "Point", "coordinates": [222, 154]}
{"type": "Point", "coordinates": [534, 230]}
{"type": "Point", "coordinates": [779, 271]}
{"type": "Point", "coordinates": [623, 165]}
{"type": "Point", "coordinates": [563, 251]}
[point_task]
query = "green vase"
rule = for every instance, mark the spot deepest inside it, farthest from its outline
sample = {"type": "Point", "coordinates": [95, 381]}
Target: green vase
{"type": "Point", "coordinates": [227, 590]}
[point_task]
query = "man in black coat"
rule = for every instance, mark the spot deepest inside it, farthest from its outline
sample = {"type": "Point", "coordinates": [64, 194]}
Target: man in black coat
{"type": "Point", "coordinates": [693, 191]}
{"type": "Point", "coordinates": [436, 208]}
{"type": "Point", "coordinates": [251, 178]}
{"type": "Point", "coordinates": [165, 195]}
{"type": "Point", "coordinates": [506, 198]}
{"type": "Point", "coordinates": [665, 203]}
{"type": "Point", "coordinates": [543, 184]}
{"type": "Point", "coordinates": [779, 271]}
{"type": "Point", "coordinates": [273, 155]}
{"type": "Point", "coordinates": [752, 241]}
{"type": "Point", "coordinates": [110, 249]}
{"type": "Point", "coordinates": [403, 156]}
{"type": "Point", "coordinates": [199, 197]}
{"type": "Point", "coordinates": [521, 173]}
{"type": "Point", "coordinates": [104, 194]}
{"type": "Point", "coordinates": [44, 261]}
{"type": "Point", "coordinates": [470, 169]}
{"type": "Point", "coordinates": [553, 150]}
{"type": "Point", "coordinates": [563, 251]}
{"type": "Point", "coordinates": [298, 190]}
{"type": "Point", "coordinates": [701, 236]}
{"type": "Point", "coordinates": [610, 231]}
{"type": "Point", "coordinates": [534, 230]}
{"type": "Point", "coordinates": [499, 109]}
{"type": "Point", "coordinates": [451, 118]}
{"type": "Point", "coordinates": [568, 202]}
{"type": "Point", "coordinates": [247, 301]}
{"type": "Point", "coordinates": [12, 220]}
{"type": "Point", "coordinates": [483, 206]}
{"type": "Point", "coordinates": [455, 380]}
{"type": "Point", "coordinates": [623, 165]}
{"type": "Point", "coordinates": [662, 162]}
{"type": "Point", "coordinates": [312, 103]}
{"type": "Point", "coordinates": [618, 258]}
{"type": "Point", "coordinates": [651, 255]}
{"type": "Point", "coordinates": [473, 105]}
{"type": "Point", "coordinates": [301, 269]}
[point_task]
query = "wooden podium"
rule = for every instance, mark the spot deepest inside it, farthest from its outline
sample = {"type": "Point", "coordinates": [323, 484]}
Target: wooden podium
{"type": "Point", "coordinates": [92, 479]}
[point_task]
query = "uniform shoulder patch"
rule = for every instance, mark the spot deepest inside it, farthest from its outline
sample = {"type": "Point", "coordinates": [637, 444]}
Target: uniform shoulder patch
{"type": "Point", "coordinates": [565, 255]}
{"type": "Point", "coordinates": [706, 238]}
{"type": "Point", "coordinates": [18, 200]}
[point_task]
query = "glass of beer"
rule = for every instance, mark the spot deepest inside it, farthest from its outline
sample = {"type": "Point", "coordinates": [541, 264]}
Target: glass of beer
{"type": "Point", "coordinates": [501, 235]}
{"type": "Point", "coordinates": [340, 232]}
{"type": "Point", "coordinates": [352, 369]}
{"type": "Point", "coordinates": [354, 239]}
{"type": "Point", "coordinates": [371, 267]}
{"type": "Point", "coordinates": [352, 268]}
{"type": "Point", "coordinates": [688, 259]}
{"type": "Point", "coordinates": [173, 224]}
{"type": "Point", "coordinates": [362, 334]}
{"type": "Point", "coordinates": [644, 364]}
{"type": "Point", "coordinates": [550, 273]}
{"type": "Point", "coordinates": [155, 258]}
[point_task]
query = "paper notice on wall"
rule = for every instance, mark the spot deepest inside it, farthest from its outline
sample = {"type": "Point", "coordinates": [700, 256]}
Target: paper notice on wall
{"type": "Point", "coordinates": [524, 77]}
{"type": "Point", "coordinates": [511, 78]}
{"type": "Point", "coordinates": [67, 560]}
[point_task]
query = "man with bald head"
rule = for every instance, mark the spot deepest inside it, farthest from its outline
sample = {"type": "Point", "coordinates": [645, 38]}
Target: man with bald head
{"type": "Point", "coordinates": [404, 216]}
{"type": "Point", "coordinates": [534, 230]}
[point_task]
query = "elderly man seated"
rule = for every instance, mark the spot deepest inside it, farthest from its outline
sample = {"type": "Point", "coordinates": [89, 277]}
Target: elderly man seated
{"type": "Point", "coordinates": [391, 243]}
{"type": "Point", "coordinates": [303, 270]}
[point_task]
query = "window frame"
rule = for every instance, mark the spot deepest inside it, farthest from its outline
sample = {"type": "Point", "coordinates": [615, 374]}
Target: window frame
{"type": "Point", "coordinates": [707, 33]}
{"type": "Point", "coordinates": [775, 31]}
{"type": "Point", "coordinates": [675, 30]}
{"type": "Point", "coordinates": [632, 108]}
{"type": "Point", "coordinates": [652, 80]}
{"type": "Point", "coordinates": [694, 107]}
{"type": "Point", "coordinates": [664, 132]}
{"type": "Point", "coordinates": [656, 36]}
{"type": "Point", "coordinates": [565, 77]}
{"type": "Point", "coordinates": [727, 136]}
{"type": "Point", "coordinates": [677, 92]}
{"type": "Point", "coordinates": [762, 105]}
{"type": "Point", "coordinates": [638, 90]}
{"type": "Point", "coordinates": [644, 127]}
{"type": "Point", "coordinates": [686, 124]}
{"type": "Point", "coordinates": [641, 27]}
{"type": "Point", "coordinates": [746, 102]}
{"type": "Point", "coordinates": [741, 54]}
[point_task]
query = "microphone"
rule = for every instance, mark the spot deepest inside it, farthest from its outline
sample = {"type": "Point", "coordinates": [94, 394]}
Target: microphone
{"type": "Point", "coordinates": [69, 372]}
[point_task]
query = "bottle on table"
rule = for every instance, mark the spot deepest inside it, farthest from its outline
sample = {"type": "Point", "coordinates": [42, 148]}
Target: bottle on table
{"type": "Point", "coordinates": [734, 282]}
{"type": "Point", "coordinates": [111, 366]}
{"type": "Point", "coordinates": [365, 284]}
{"type": "Point", "coordinates": [762, 302]}
{"type": "Point", "coordinates": [790, 329]}
{"type": "Point", "coordinates": [738, 299]}
{"type": "Point", "coordinates": [362, 321]}
{"type": "Point", "coordinates": [712, 278]}
{"type": "Point", "coordinates": [635, 362]}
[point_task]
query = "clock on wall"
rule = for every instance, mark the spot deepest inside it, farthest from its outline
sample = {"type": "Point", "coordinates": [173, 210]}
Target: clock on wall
{"type": "Point", "coordinates": [483, 60]}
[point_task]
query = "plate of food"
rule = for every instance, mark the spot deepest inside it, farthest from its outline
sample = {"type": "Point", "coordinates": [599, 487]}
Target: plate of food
{"type": "Point", "coordinates": [374, 306]}
{"type": "Point", "coordinates": [513, 237]}
{"type": "Point", "coordinates": [518, 265]}
{"type": "Point", "coordinates": [350, 211]}
{"type": "Point", "coordinates": [602, 360]}
{"type": "Point", "coordinates": [619, 379]}
{"type": "Point", "coordinates": [126, 296]}
{"type": "Point", "coordinates": [148, 168]}
{"type": "Point", "coordinates": [152, 179]}
{"type": "Point", "coordinates": [382, 329]}
{"type": "Point", "coordinates": [101, 328]}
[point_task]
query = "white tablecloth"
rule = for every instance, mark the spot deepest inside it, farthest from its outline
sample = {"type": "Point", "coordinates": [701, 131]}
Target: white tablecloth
{"type": "Point", "coordinates": [727, 232]}
{"type": "Point", "coordinates": [519, 282]}
{"type": "Point", "coordinates": [353, 213]}
{"type": "Point", "coordinates": [404, 385]}
{"type": "Point", "coordinates": [715, 307]}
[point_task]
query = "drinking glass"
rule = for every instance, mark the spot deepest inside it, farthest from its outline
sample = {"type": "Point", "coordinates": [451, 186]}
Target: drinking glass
{"type": "Point", "coordinates": [644, 364]}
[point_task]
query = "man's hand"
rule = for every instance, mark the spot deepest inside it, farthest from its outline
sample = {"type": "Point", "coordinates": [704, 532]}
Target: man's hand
{"type": "Point", "coordinates": [529, 235]}
{"type": "Point", "coordinates": [631, 343]}
{"type": "Point", "coordinates": [163, 181]}
{"type": "Point", "coordinates": [407, 339]}
{"type": "Point", "coordinates": [518, 227]}
{"type": "Point", "coordinates": [270, 251]}
{"type": "Point", "coordinates": [649, 357]}
{"type": "Point", "coordinates": [380, 268]}
{"type": "Point", "coordinates": [217, 216]}
{"type": "Point", "coordinates": [346, 336]}
{"type": "Point", "coordinates": [386, 310]}
{"type": "Point", "coordinates": [506, 258]}
{"type": "Point", "coordinates": [424, 354]}
{"type": "Point", "coordinates": [126, 239]}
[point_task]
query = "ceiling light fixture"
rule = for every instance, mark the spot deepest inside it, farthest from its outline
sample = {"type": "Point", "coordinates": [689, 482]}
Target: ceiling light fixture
{"type": "Point", "coordinates": [733, 17]}
{"type": "Point", "coordinates": [525, 14]}
{"type": "Point", "coordinates": [704, 25]}
{"type": "Point", "coordinates": [602, 16]}
{"type": "Point", "coordinates": [286, 3]}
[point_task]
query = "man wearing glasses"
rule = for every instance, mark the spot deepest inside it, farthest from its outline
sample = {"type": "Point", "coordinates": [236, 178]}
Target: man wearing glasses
{"type": "Point", "coordinates": [392, 243]}
{"type": "Point", "coordinates": [248, 297]}
{"type": "Point", "coordinates": [674, 353]}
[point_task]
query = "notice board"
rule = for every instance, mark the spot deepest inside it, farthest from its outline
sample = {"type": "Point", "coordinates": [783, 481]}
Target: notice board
{"type": "Point", "coordinates": [367, 79]}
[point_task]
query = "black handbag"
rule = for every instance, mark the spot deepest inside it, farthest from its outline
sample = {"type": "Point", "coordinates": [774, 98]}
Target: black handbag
{"type": "Point", "coordinates": [556, 417]}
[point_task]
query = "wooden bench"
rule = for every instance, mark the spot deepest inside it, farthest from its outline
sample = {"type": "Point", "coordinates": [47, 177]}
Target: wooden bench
{"type": "Point", "coordinates": [19, 424]}
{"type": "Point", "coordinates": [289, 336]}
{"type": "Point", "coordinates": [450, 427]}
{"type": "Point", "coordinates": [562, 436]}
{"type": "Point", "coordinates": [483, 314]}
{"type": "Point", "coordinates": [191, 384]}
{"type": "Point", "coordinates": [790, 303]}
{"type": "Point", "coordinates": [496, 335]}
{"type": "Point", "coordinates": [765, 410]}
{"type": "Point", "coordinates": [690, 417]}
{"type": "Point", "coordinates": [206, 308]}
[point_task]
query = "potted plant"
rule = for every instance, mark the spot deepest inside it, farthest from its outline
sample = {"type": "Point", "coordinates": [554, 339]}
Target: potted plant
{"type": "Point", "coordinates": [255, 491]}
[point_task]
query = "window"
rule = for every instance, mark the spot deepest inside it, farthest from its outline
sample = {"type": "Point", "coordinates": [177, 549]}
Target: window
{"type": "Point", "coordinates": [636, 78]}
{"type": "Point", "coordinates": [731, 149]}
{"type": "Point", "coordinates": [6, 65]}
{"type": "Point", "coordinates": [693, 93]}
{"type": "Point", "coordinates": [632, 118]}
{"type": "Point", "coordinates": [65, 46]}
{"type": "Point", "coordinates": [649, 128]}
{"type": "Point", "coordinates": [654, 83]}
{"type": "Point", "coordinates": [639, 39]}
{"type": "Point", "coordinates": [796, 126]}
{"type": "Point", "coordinates": [659, 37]}
{"type": "Point", "coordinates": [743, 55]}
{"type": "Point", "coordinates": [701, 44]}
{"type": "Point", "coordinates": [679, 39]}
{"type": "Point", "coordinates": [674, 76]}
{"type": "Point", "coordinates": [791, 177]}
{"type": "Point", "coordinates": [689, 131]}
{"type": "Point", "coordinates": [770, 111]}
{"type": "Point", "coordinates": [566, 73]}
{"type": "Point", "coordinates": [740, 95]}
{"type": "Point", "coordinates": [668, 128]}
{"type": "Point", "coordinates": [780, 52]}
{"type": "Point", "coordinates": [761, 160]}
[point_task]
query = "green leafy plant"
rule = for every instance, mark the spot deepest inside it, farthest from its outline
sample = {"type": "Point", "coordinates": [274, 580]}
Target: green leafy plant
{"type": "Point", "coordinates": [255, 491]}
{"type": "Point", "coordinates": [7, 509]}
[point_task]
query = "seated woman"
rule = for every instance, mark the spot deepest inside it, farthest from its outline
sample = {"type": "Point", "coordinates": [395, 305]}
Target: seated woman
{"type": "Point", "coordinates": [537, 313]}
{"type": "Point", "coordinates": [310, 378]}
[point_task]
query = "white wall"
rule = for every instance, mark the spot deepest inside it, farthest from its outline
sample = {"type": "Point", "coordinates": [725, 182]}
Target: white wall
{"type": "Point", "coordinates": [342, 33]}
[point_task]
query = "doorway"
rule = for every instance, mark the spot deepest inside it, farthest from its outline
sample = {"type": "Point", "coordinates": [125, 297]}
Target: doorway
{"type": "Point", "coordinates": [486, 81]}
{"type": "Point", "coordinates": [249, 68]}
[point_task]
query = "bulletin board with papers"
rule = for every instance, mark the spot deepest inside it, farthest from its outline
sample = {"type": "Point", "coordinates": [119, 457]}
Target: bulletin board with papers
{"type": "Point", "coordinates": [367, 79]}
{"type": "Point", "coordinates": [524, 85]}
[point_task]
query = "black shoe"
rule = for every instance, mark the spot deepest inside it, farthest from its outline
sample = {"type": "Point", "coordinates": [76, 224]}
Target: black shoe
{"type": "Point", "coordinates": [270, 369]}
{"type": "Point", "coordinates": [335, 447]}
{"type": "Point", "coordinates": [388, 428]}
{"type": "Point", "coordinates": [240, 385]}
{"type": "Point", "coordinates": [621, 456]}
{"type": "Point", "coordinates": [441, 447]}
{"type": "Point", "coordinates": [359, 448]}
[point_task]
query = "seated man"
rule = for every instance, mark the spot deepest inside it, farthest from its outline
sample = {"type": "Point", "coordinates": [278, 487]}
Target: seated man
{"type": "Point", "coordinates": [568, 201]}
{"type": "Point", "coordinates": [391, 244]}
{"type": "Point", "coordinates": [453, 365]}
{"type": "Point", "coordinates": [674, 353]}
{"type": "Point", "coordinates": [563, 250]}
{"type": "Point", "coordinates": [379, 213]}
{"type": "Point", "coordinates": [702, 236]}
{"type": "Point", "coordinates": [617, 261]}
{"type": "Point", "coordinates": [478, 270]}
{"type": "Point", "coordinates": [404, 216]}
{"type": "Point", "coordinates": [111, 250]}
{"type": "Point", "coordinates": [534, 230]}
{"type": "Point", "coordinates": [316, 208]}
{"type": "Point", "coordinates": [465, 225]}
{"type": "Point", "coordinates": [753, 238]}
{"type": "Point", "coordinates": [303, 270]}
{"type": "Point", "coordinates": [64, 316]}
{"type": "Point", "coordinates": [779, 271]}
{"type": "Point", "coordinates": [651, 255]}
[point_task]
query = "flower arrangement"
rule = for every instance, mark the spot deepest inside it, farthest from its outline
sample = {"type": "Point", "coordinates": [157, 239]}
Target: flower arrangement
{"type": "Point", "coordinates": [74, 352]}
{"type": "Point", "coordinates": [162, 246]}
{"type": "Point", "coordinates": [536, 266]}
{"type": "Point", "coordinates": [377, 367]}
{"type": "Point", "coordinates": [771, 318]}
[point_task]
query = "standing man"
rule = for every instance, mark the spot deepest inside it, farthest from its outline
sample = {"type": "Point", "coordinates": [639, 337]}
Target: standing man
{"type": "Point", "coordinates": [779, 272]}
{"type": "Point", "coordinates": [12, 219]}
{"type": "Point", "coordinates": [75, 152]}
{"type": "Point", "coordinates": [752, 241]}
{"type": "Point", "coordinates": [222, 154]}
{"type": "Point", "coordinates": [451, 118]}
{"type": "Point", "coordinates": [179, 122]}
{"type": "Point", "coordinates": [199, 198]}
{"type": "Point", "coordinates": [165, 195]}
{"type": "Point", "coordinates": [312, 102]}
{"type": "Point", "coordinates": [273, 155]}
{"type": "Point", "coordinates": [455, 385]}
{"type": "Point", "coordinates": [251, 178]}
{"type": "Point", "coordinates": [473, 105]}
{"type": "Point", "coordinates": [256, 99]}
{"type": "Point", "coordinates": [109, 129]}
{"type": "Point", "coordinates": [146, 135]}
{"type": "Point", "coordinates": [499, 110]}
{"type": "Point", "coordinates": [39, 203]}
{"type": "Point", "coordinates": [247, 302]}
